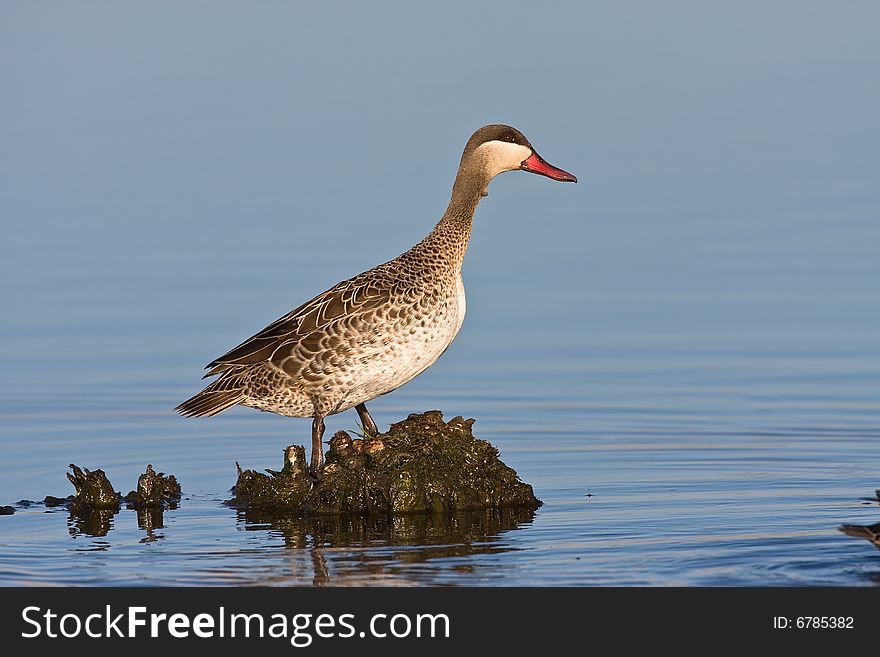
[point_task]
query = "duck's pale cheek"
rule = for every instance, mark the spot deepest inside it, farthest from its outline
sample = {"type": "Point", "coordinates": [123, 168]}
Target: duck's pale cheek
{"type": "Point", "coordinates": [501, 156]}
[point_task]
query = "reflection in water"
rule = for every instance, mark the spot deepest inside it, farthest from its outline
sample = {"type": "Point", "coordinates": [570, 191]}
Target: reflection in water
{"type": "Point", "coordinates": [97, 522]}
{"type": "Point", "coordinates": [371, 547]}
{"type": "Point", "coordinates": [149, 520]}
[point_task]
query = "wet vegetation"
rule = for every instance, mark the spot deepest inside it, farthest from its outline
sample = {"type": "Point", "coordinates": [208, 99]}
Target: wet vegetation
{"type": "Point", "coordinates": [420, 465]}
{"type": "Point", "coordinates": [154, 491]}
{"type": "Point", "coordinates": [95, 502]}
{"type": "Point", "coordinates": [868, 532]}
{"type": "Point", "coordinates": [423, 481]}
{"type": "Point", "coordinates": [93, 491]}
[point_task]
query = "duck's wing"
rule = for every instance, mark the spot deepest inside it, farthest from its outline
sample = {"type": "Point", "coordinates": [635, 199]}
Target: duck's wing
{"type": "Point", "coordinates": [349, 298]}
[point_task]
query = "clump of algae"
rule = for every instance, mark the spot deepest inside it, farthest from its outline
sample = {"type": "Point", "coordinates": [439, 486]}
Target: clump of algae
{"type": "Point", "coordinates": [93, 490]}
{"type": "Point", "coordinates": [420, 465]}
{"type": "Point", "coordinates": [155, 490]}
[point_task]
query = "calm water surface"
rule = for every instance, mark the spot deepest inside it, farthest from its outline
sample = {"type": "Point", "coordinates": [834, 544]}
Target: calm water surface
{"type": "Point", "coordinates": [665, 464]}
{"type": "Point", "coordinates": [681, 353]}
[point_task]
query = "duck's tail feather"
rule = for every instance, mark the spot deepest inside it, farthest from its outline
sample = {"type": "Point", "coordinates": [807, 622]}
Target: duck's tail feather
{"type": "Point", "coordinates": [210, 401]}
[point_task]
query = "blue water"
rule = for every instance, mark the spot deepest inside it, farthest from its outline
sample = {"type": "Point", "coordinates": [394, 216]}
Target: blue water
{"type": "Point", "coordinates": [661, 465]}
{"type": "Point", "coordinates": [680, 353]}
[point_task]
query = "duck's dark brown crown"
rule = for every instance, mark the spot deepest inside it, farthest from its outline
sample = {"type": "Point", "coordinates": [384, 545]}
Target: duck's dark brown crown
{"type": "Point", "coordinates": [495, 132]}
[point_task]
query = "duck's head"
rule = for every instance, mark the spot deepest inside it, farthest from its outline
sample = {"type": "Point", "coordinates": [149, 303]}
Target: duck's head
{"type": "Point", "coordinates": [497, 148]}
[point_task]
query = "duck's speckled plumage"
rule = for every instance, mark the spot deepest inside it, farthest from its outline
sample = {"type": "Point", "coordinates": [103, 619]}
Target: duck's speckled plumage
{"type": "Point", "coordinates": [372, 333]}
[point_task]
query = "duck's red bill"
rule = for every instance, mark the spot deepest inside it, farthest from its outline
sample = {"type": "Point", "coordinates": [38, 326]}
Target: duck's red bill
{"type": "Point", "coordinates": [536, 164]}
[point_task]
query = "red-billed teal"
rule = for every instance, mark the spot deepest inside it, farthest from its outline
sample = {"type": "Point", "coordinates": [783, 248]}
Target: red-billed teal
{"type": "Point", "coordinates": [372, 333]}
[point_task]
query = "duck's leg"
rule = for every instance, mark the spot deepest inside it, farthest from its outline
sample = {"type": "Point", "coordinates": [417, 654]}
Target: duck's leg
{"type": "Point", "coordinates": [317, 465]}
{"type": "Point", "coordinates": [369, 425]}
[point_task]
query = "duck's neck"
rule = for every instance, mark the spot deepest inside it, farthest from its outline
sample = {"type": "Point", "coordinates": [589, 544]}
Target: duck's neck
{"type": "Point", "coordinates": [449, 239]}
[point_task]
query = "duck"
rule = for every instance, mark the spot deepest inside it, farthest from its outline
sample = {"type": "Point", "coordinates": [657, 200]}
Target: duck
{"type": "Point", "coordinates": [372, 333]}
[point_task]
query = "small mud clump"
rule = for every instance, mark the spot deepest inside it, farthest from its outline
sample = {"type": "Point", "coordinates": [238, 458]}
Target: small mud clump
{"type": "Point", "coordinates": [420, 465]}
{"type": "Point", "coordinates": [95, 503]}
{"type": "Point", "coordinates": [93, 490]}
{"type": "Point", "coordinates": [868, 532]}
{"type": "Point", "coordinates": [154, 491]}
{"type": "Point", "coordinates": [52, 501]}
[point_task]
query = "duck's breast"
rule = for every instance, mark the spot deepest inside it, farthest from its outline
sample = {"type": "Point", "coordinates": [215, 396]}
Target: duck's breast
{"type": "Point", "coordinates": [399, 351]}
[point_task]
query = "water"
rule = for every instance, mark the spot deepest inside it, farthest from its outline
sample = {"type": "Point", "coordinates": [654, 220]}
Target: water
{"type": "Point", "coordinates": [661, 465]}
{"type": "Point", "coordinates": [680, 353]}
